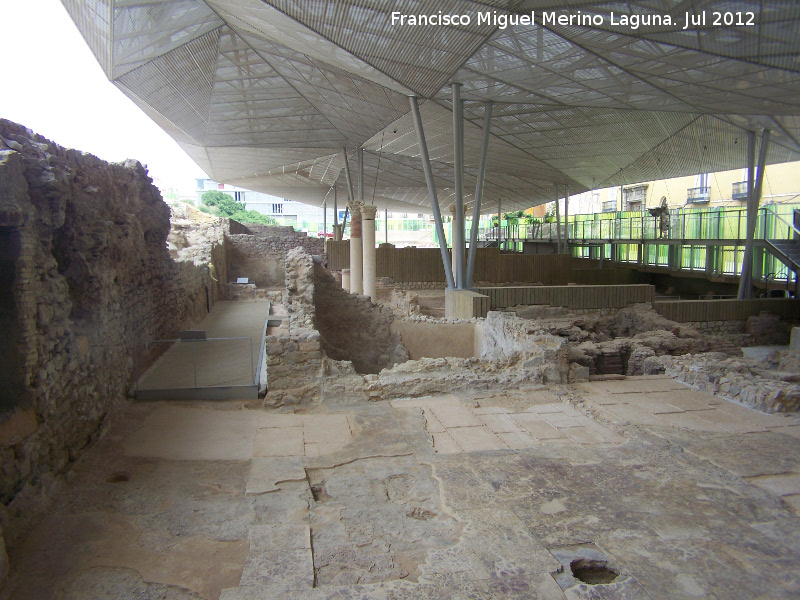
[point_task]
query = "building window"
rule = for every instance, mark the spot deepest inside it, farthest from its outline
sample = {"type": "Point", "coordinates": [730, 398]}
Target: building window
{"type": "Point", "coordinates": [277, 209]}
{"type": "Point", "coordinates": [220, 186]}
{"type": "Point", "coordinates": [634, 197]}
{"type": "Point", "coordinates": [701, 193]}
{"type": "Point", "coordinates": [739, 190]}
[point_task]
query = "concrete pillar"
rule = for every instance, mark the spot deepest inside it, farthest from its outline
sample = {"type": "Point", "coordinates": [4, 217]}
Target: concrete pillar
{"type": "Point", "coordinates": [368, 240]}
{"type": "Point", "coordinates": [346, 280]}
{"type": "Point", "coordinates": [356, 249]}
{"type": "Point", "coordinates": [337, 233]}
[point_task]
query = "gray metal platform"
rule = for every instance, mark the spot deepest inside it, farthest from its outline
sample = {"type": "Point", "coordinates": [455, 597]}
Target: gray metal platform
{"type": "Point", "coordinates": [223, 367]}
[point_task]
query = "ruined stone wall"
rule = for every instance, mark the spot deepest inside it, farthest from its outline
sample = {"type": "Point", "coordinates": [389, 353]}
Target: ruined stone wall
{"type": "Point", "coordinates": [236, 228]}
{"type": "Point", "coordinates": [353, 328]}
{"type": "Point", "coordinates": [289, 237]}
{"type": "Point", "coordinates": [294, 366]}
{"type": "Point", "coordinates": [762, 386]}
{"type": "Point", "coordinates": [89, 280]}
{"type": "Point", "coordinates": [261, 256]}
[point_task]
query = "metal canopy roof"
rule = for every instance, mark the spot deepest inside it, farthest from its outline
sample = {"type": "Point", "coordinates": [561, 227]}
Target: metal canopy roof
{"type": "Point", "coordinates": [263, 94]}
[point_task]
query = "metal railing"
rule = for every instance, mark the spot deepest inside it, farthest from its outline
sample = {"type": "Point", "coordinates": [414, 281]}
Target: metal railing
{"type": "Point", "coordinates": [685, 225]}
{"type": "Point", "coordinates": [793, 229]}
{"type": "Point", "coordinates": [698, 194]}
{"type": "Point", "coordinates": [739, 191]}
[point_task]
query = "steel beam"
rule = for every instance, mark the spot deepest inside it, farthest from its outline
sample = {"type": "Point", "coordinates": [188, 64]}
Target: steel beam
{"type": "Point", "coordinates": [426, 167]}
{"type": "Point", "coordinates": [566, 220]}
{"type": "Point", "coordinates": [558, 223]}
{"type": "Point", "coordinates": [347, 174]}
{"type": "Point", "coordinates": [753, 202]}
{"type": "Point", "coordinates": [476, 205]}
{"type": "Point", "coordinates": [360, 155]}
{"type": "Point", "coordinates": [458, 166]}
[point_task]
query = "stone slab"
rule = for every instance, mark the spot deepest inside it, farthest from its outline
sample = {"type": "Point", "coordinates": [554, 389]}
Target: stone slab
{"type": "Point", "coordinates": [267, 473]}
{"type": "Point", "coordinates": [781, 484]}
{"type": "Point", "coordinates": [517, 440]}
{"type": "Point", "coordinates": [454, 415]}
{"type": "Point", "coordinates": [537, 427]}
{"type": "Point", "coordinates": [501, 423]}
{"type": "Point", "coordinates": [179, 433]}
{"type": "Point", "coordinates": [475, 439]}
{"type": "Point", "coordinates": [278, 442]}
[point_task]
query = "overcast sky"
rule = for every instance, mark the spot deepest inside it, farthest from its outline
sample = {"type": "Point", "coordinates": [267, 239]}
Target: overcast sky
{"type": "Point", "coordinates": [52, 83]}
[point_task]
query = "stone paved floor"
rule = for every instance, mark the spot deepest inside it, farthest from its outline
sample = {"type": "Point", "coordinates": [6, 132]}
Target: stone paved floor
{"type": "Point", "coordinates": [676, 494]}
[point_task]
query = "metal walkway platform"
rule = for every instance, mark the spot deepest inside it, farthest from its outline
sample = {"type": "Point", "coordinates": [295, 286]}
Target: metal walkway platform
{"type": "Point", "coordinates": [226, 365]}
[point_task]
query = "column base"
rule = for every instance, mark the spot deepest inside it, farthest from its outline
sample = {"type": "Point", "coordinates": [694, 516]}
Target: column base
{"type": "Point", "coordinates": [465, 304]}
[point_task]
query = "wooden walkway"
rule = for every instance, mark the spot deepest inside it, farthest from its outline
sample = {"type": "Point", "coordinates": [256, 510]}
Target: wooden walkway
{"type": "Point", "coordinates": [212, 369]}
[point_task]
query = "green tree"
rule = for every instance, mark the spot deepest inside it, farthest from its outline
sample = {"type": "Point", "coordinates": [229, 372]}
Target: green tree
{"type": "Point", "coordinates": [254, 217]}
{"type": "Point", "coordinates": [224, 205]}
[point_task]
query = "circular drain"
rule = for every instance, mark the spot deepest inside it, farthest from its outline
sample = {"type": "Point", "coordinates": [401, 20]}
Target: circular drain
{"type": "Point", "coordinates": [593, 572]}
{"type": "Point", "coordinates": [119, 477]}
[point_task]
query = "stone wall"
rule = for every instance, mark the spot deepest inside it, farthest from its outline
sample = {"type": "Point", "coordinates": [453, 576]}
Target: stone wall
{"type": "Point", "coordinates": [769, 386]}
{"type": "Point", "coordinates": [353, 328]}
{"type": "Point", "coordinates": [294, 365]}
{"type": "Point", "coordinates": [260, 256]}
{"type": "Point", "coordinates": [86, 279]}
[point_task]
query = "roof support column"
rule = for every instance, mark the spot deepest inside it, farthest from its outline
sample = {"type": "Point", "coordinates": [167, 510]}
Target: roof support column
{"type": "Point", "coordinates": [753, 201]}
{"type": "Point", "coordinates": [426, 166]}
{"type": "Point", "coordinates": [499, 222]}
{"type": "Point", "coordinates": [566, 220]}
{"type": "Point", "coordinates": [476, 204]}
{"type": "Point", "coordinates": [337, 229]}
{"type": "Point", "coordinates": [458, 165]}
{"type": "Point", "coordinates": [350, 198]}
{"type": "Point", "coordinates": [558, 223]}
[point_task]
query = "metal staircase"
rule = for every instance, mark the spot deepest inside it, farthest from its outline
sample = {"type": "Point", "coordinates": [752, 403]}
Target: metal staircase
{"type": "Point", "coordinates": [787, 250]}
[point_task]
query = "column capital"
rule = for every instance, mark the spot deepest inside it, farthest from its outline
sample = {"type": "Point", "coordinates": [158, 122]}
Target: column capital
{"type": "Point", "coordinates": [368, 212]}
{"type": "Point", "coordinates": [355, 207]}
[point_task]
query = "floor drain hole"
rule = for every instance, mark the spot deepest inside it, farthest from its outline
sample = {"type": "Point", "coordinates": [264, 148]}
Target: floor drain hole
{"type": "Point", "coordinates": [593, 572]}
{"type": "Point", "coordinates": [120, 477]}
{"type": "Point", "coordinates": [319, 492]}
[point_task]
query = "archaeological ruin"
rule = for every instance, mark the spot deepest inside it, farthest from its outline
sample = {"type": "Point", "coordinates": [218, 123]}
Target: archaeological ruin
{"type": "Point", "coordinates": [568, 368]}
{"type": "Point", "coordinates": [384, 447]}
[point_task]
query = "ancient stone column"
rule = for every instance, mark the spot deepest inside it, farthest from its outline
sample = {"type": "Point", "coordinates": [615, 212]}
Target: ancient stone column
{"type": "Point", "coordinates": [337, 233]}
{"type": "Point", "coordinates": [356, 249]}
{"type": "Point", "coordinates": [368, 233]}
